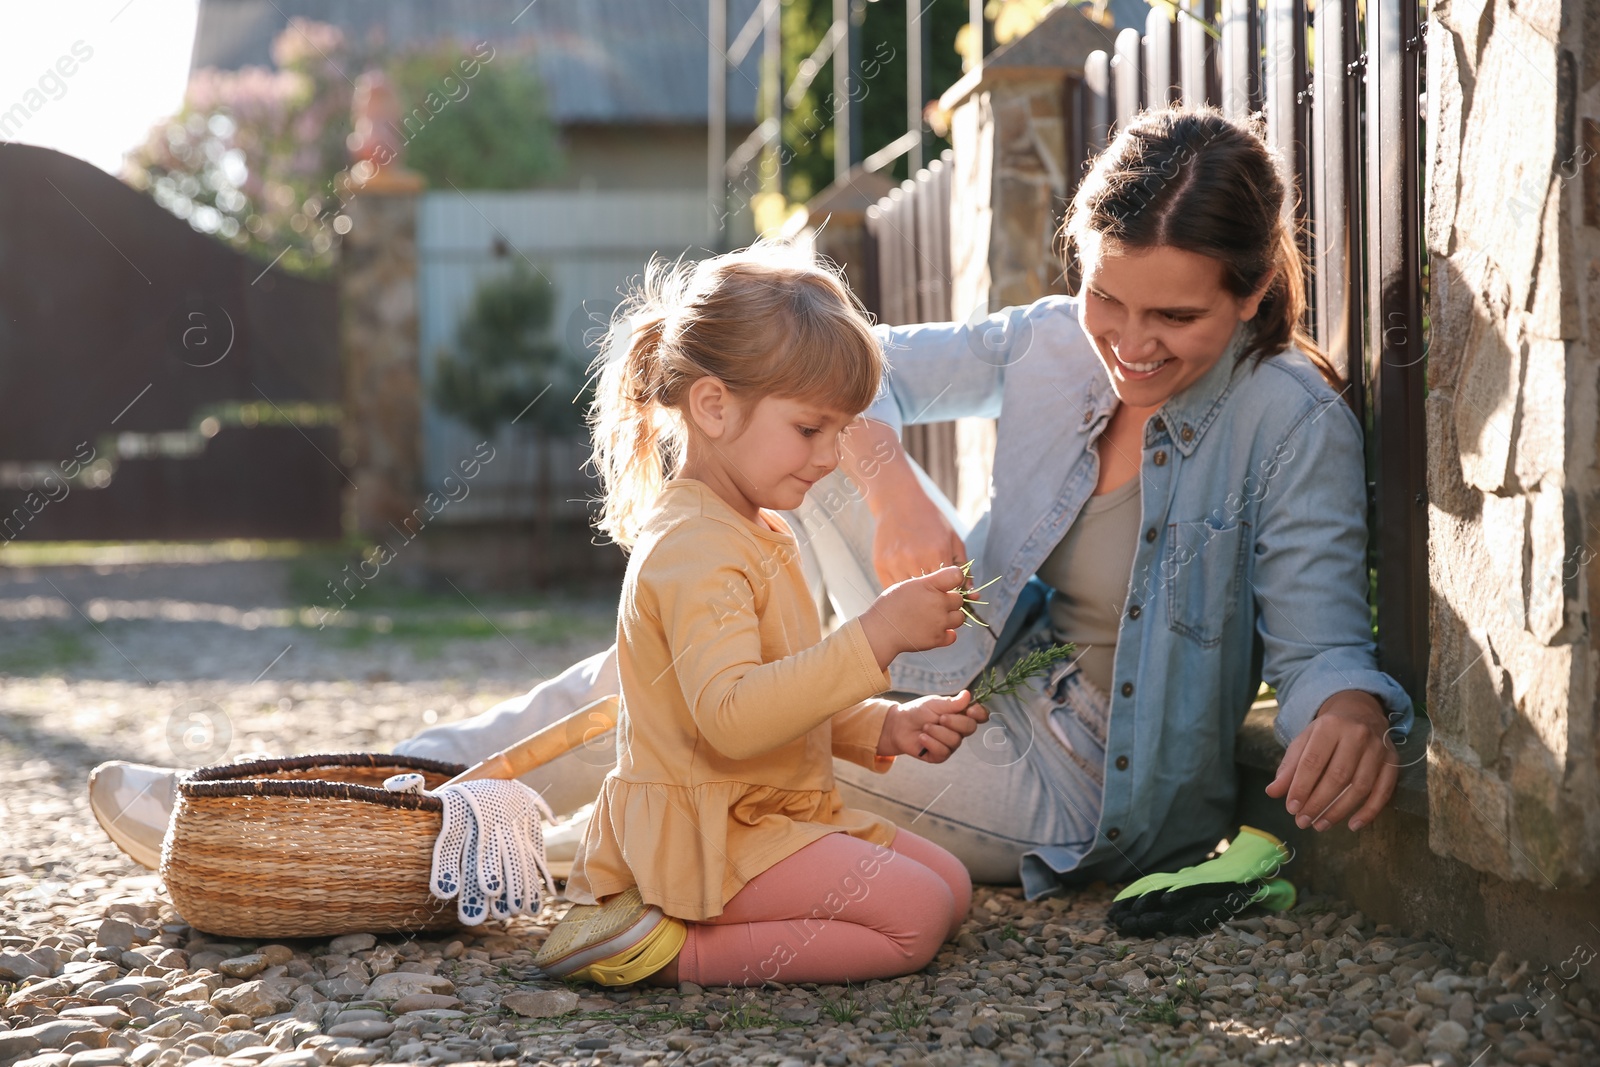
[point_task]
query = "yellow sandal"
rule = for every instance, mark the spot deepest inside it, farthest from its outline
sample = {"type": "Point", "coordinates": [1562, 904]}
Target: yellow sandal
{"type": "Point", "coordinates": [618, 942]}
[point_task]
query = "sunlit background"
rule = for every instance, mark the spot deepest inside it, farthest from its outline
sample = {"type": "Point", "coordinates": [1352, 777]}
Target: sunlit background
{"type": "Point", "coordinates": [134, 76]}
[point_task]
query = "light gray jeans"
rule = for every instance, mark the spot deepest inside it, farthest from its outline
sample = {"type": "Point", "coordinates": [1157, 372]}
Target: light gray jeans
{"type": "Point", "coordinates": [1029, 778]}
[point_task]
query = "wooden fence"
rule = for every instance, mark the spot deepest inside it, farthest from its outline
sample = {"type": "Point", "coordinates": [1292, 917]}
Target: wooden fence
{"type": "Point", "coordinates": [1345, 117]}
{"type": "Point", "coordinates": [907, 271]}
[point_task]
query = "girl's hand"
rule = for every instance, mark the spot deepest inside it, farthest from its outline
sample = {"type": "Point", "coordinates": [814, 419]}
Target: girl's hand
{"type": "Point", "coordinates": [915, 615]}
{"type": "Point", "coordinates": [930, 728]}
{"type": "Point", "coordinates": [1343, 762]}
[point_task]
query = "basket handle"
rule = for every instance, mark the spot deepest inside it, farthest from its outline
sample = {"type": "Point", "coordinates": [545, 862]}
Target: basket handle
{"type": "Point", "coordinates": [557, 739]}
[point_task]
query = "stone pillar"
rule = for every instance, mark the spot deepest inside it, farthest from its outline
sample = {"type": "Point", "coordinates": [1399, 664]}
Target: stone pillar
{"type": "Point", "coordinates": [1008, 129]}
{"type": "Point", "coordinates": [1514, 491]}
{"type": "Point", "coordinates": [378, 321]}
{"type": "Point", "coordinates": [378, 339]}
{"type": "Point", "coordinates": [1010, 188]}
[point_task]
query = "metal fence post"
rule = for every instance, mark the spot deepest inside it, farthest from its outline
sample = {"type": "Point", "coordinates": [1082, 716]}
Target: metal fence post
{"type": "Point", "coordinates": [1394, 336]}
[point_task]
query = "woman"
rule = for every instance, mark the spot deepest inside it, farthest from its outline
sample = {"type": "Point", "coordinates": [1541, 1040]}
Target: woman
{"type": "Point", "coordinates": [1178, 490]}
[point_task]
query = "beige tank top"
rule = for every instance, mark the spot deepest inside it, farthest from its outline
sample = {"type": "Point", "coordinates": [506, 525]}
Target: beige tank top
{"type": "Point", "coordinates": [1089, 570]}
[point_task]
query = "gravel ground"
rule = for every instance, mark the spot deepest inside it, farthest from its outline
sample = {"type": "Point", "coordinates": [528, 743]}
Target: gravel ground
{"type": "Point", "coordinates": [188, 665]}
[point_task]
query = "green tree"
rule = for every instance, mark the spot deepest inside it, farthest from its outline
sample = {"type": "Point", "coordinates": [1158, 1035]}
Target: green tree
{"type": "Point", "coordinates": [491, 131]}
{"type": "Point", "coordinates": [506, 358]}
{"type": "Point", "coordinates": [508, 370]}
{"type": "Point", "coordinates": [808, 124]}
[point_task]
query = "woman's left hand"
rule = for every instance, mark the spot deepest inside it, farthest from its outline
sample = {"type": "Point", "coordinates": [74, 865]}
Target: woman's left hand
{"type": "Point", "coordinates": [1343, 762]}
{"type": "Point", "coordinates": [930, 728]}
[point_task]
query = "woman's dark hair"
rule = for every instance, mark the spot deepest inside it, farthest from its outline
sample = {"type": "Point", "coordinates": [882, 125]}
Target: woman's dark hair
{"type": "Point", "coordinates": [1189, 178]}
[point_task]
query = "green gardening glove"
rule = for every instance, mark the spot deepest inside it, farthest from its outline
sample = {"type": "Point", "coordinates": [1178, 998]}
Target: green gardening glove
{"type": "Point", "coordinates": [1199, 897]}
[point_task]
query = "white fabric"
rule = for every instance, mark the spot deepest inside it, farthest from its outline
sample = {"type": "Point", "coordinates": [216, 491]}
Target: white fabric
{"type": "Point", "coordinates": [489, 855]}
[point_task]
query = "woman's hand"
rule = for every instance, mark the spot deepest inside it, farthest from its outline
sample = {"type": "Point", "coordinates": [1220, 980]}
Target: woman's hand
{"type": "Point", "coordinates": [912, 536]}
{"type": "Point", "coordinates": [930, 728]}
{"type": "Point", "coordinates": [1343, 762]}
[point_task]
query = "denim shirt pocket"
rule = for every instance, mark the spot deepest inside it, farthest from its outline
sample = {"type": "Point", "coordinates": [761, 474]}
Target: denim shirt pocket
{"type": "Point", "coordinates": [1203, 567]}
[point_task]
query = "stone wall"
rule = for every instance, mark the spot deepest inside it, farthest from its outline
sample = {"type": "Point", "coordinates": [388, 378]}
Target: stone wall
{"type": "Point", "coordinates": [1514, 497]}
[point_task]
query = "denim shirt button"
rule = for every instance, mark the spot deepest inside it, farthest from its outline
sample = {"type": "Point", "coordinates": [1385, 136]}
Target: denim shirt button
{"type": "Point", "coordinates": [1187, 433]}
{"type": "Point", "coordinates": [1113, 833]}
{"type": "Point", "coordinates": [1135, 611]}
{"type": "Point", "coordinates": [1122, 763]}
{"type": "Point", "coordinates": [1161, 458]}
{"type": "Point", "coordinates": [1161, 424]}
{"type": "Point", "coordinates": [1150, 535]}
{"type": "Point", "coordinates": [1127, 689]}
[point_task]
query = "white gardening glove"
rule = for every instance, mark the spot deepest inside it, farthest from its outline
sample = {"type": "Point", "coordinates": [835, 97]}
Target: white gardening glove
{"type": "Point", "coordinates": [489, 854]}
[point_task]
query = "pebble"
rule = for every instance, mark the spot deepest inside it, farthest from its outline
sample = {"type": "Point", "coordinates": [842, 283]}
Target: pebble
{"type": "Point", "coordinates": [114, 933]}
{"type": "Point", "coordinates": [362, 1029]}
{"type": "Point", "coordinates": [544, 1004]}
{"type": "Point", "coordinates": [45, 1059]}
{"type": "Point", "coordinates": [14, 1043]}
{"type": "Point", "coordinates": [106, 1015]}
{"type": "Point", "coordinates": [398, 984]}
{"type": "Point", "coordinates": [98, 1057]}
{"type": "Point", "coordinates": [349, 944]}
{"type": "Point", "coordinates": [1448, 1036]}
{"type": "Point", "coordinates": [133, 985]}
{"type": "Point", "coordinates": [15, 965]}
{"type": "Point", "coordinates": [297, 1058]}
{"type": "Point", "coordinates": [61, 1032]}
{"type": "Point", "coordinates": [423, 1001]}
{"type": "Point", "coordinates": [254, 999]}
{"type": "Point", "coordinates": [244, 966]}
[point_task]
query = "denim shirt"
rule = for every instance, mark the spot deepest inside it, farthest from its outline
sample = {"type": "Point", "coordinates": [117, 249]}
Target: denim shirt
{"type": "Point", "coordinates": [1251, 560]}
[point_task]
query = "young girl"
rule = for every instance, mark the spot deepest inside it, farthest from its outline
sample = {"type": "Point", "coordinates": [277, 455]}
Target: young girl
{"type": "Point", "coordinates": [720, 851]}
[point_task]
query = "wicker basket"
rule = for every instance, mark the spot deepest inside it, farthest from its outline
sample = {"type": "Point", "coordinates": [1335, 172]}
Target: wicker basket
{"type": "Point", "coordinates": [311, 846]}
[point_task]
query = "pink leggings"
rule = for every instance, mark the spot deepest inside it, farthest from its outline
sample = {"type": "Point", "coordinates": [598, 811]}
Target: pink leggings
{"type": "Point", "coordinates": [840, 909]}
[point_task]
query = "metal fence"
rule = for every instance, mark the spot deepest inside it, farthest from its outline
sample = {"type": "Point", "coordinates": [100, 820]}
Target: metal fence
{"type": "Point", "coordinates": [1346, 119]}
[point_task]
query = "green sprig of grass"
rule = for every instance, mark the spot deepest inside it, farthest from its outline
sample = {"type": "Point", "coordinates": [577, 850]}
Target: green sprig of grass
{"type": "Point", "coordinates": [906, 1014]}
{"type": "Point", "coordinates": [747, 1015]}
{"type": "Point", "coordinates": [970, 595]}
{"type": "Point", "coordinates": [992, 682]}
{"type": "Point", "coordinates": [842, 1009]}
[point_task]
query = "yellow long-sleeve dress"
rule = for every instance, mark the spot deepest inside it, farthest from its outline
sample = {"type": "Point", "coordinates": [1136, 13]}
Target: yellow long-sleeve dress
{"type": "Point", "coordinates": [733, 707]}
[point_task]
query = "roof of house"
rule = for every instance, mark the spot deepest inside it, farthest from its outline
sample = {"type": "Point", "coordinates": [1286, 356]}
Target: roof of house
{"type": "Point", "coordinates": [602, 61]}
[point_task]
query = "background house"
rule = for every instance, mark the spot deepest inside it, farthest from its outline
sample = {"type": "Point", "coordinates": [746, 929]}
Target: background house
{"type": "Point", "coordinates": [625, 80]}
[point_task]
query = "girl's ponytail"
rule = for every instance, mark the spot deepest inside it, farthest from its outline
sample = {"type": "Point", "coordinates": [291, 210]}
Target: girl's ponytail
{"type": "Point", "coordinates": [628, 423]}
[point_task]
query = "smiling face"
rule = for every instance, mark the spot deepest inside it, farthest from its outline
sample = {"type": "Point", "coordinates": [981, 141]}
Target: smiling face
{"type": "Point", "coordinates": [1159, 317]}
{"type": "Point", "coordinates": [762, 455]}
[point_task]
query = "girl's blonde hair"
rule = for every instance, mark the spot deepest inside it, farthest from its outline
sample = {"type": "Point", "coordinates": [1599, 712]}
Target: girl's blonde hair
{"type": "Point", "coordinates": [766, 321]}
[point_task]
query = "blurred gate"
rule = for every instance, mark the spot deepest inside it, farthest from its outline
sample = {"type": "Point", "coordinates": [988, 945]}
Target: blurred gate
{"type": "Point", "coordinates": [156, 383]}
